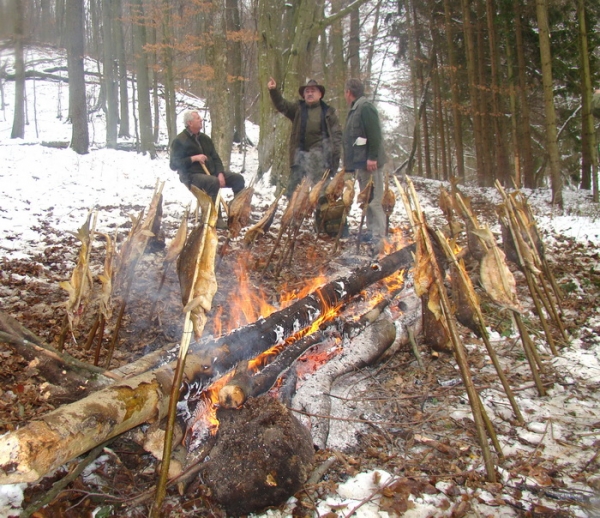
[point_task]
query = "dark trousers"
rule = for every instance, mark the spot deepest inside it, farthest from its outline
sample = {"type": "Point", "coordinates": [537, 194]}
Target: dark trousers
{"type": "Point", "coordinates": [210, 184]}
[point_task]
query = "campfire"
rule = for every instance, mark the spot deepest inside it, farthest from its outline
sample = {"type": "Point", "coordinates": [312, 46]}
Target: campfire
{"type": "Point", "coordinates": [256, 367]}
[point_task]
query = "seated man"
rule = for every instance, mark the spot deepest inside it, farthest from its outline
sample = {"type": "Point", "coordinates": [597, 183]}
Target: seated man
{"type": "Point", "coordinates": [194, 157]}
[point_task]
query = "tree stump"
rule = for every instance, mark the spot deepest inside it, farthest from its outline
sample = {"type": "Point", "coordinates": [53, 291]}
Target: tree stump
{"type": "Point", "coordinates": [262, 456]}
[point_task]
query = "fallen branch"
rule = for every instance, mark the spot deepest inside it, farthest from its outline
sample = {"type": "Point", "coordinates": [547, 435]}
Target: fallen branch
{"type": "Point", "coordinates": [63, 482]}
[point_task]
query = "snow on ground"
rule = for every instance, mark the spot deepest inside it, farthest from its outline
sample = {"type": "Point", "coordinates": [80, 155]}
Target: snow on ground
{"type": "Point", "coordinates": [41, 184]}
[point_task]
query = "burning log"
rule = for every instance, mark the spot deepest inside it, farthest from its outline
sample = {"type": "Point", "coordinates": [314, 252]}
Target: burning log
{"type": "Point", "coordinates": [222, 355]}
{"type": "Point", "coordinates": [244, 385]}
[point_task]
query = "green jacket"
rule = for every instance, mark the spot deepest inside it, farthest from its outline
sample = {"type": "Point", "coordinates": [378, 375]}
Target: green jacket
{"type": "Point", "coordinates": [332, 139]}
{"type": "Point", "coordinates": [362, 136]}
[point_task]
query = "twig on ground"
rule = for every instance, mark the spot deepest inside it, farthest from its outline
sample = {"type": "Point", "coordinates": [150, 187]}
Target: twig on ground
{"type": "Point", "coordinates": [63, 482]}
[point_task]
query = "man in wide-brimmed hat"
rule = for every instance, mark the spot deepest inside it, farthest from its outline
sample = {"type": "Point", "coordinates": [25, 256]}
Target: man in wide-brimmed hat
{"type": "Point", "coordinates": [316, 138]}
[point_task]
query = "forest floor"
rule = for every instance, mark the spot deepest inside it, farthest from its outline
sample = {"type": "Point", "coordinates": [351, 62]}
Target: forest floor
{"type": "Point", "coordinates": [416, 423]}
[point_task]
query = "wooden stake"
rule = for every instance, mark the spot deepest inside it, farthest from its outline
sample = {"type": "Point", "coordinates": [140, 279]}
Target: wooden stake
{"type": "Point", "coordinates": [459, 351]}
{"type": "Point", "coordinates": [471, 298]}
{"type": "Point", "coordinates": [210, 218]}
{"type": "Point", "coordinates": [529, 353]}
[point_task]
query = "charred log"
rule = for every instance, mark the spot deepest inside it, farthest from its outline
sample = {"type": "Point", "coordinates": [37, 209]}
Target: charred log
{"type": "Point", "coordinates": [244, 385]}
{"type": "Point", "coordinates": [248, 342]}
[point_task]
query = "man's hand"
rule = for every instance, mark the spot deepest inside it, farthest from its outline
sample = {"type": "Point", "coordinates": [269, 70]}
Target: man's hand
{"type": "Point", "coordinates": [371, 165]}
{"type": "Point", "coordinates": [221, 178]}
{"type": "Point", "coordinates": [199, 158]}
{"type": "Point", "coordinates": [271, 84]}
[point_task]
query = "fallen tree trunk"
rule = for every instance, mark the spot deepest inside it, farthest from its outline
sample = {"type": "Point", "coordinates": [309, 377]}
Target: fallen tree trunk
{"type": "Point", "coordinates": [37, 448]}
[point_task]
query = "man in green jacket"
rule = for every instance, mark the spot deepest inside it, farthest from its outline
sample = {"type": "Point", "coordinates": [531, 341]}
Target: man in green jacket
{"type": "Point", "coordinates": [194, 157]}
{"type": "Point", "coordinates": [315, 141]}
{"type": "Point", "coordinates": [363, 153]}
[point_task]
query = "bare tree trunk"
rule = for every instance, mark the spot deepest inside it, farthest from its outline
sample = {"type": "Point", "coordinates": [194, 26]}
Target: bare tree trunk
{"type": "Point", "coordinates": [413, 46]}
{"type": "Point", "coordinates": [336, 70]}
{"type": "Point", "coordinates": [456, 116]}
{"type": "Point", "coordinates": [143, 79]}
{"type": "Point", "coordinates": [354, 44]}
{"type": "Point", "coordinates": [483, 99]}
{"type": "Point", "coordinates": [155, 86]}
{"type": "Point", "coordinates": [502, 168]}
{"type": "Point", "coordinates": [168, 70]}
{"type": "Point", "coordinates": [117, 8]}
{"type": "Point", "coordinates": [473, 94]}
{"type": "Point", "coordinates": [373, 42]}
{"type": "Point", "coordinates": [236, 71]}
{"type": "Point", "coordinates": [220, 103]}
{"type": "Point", "coordinates": [589, 161]}
{"type": "Point", "coordinates": [18, 128]}
{"type": "Point", "coordinates": [523, 115]}
{"type": "Point", "coordinates": [109, 75]}
{"type": "Point", "coordinates": [514, 115]}
{"type": "Point", "coordinates": [547, 81]}
{"type": "Point", "coordinates": [80, 139]}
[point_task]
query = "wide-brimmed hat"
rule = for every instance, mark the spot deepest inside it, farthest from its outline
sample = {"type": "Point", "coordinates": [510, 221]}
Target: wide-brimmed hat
{"type": "Point", "coordinates": [311, 82]}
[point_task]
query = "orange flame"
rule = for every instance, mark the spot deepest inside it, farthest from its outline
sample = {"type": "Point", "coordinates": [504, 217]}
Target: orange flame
{"type": "Point", "coordinates": [250, 303]}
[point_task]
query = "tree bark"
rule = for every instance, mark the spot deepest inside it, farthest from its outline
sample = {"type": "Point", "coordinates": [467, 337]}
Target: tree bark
{"type": "Point", "coordinates": [220, 102]}
{"type": "Point", "coordinates": [589, 162]}
{"type": "Point", "coordinates": [18, 128]}
{"type": "Point", "coordinates": [456, 116]}
{"type": "Point", "coordinates": [523, 115]}
{"type": "Point", "coordinates": [169, 73]}
{"type": "Point", "coordinates": [117, 8]}
{"type": "Point", "coordinates": [80, 140]}
{"type": "Point", "coordinates": [547, 82]}
{"type": "Point", "coordinates": [109, 74]}
{"type": "Point", "coordinates": [501, 161]}
{"type": "Point", "coordinates": [235, 67]}
{"type": "Point", "coordinates": [143, 80]}
{"type": "Point", "coordinates": [473, 93]}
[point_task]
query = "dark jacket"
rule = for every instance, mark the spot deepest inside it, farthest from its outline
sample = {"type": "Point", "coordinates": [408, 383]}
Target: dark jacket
{"type": "Point", "coordinates": [363, 124]}
{"type": "Point", "coordinates": [332, 140]}
{"type": "Point", "coordinates": [184, 146]}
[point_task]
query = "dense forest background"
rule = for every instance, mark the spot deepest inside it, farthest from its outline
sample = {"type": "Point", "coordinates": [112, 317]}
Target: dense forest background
{"type": "Point", "coordinates": [481, 90]}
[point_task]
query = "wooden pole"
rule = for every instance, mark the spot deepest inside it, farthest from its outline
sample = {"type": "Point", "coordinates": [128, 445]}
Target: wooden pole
{"type": "Point", "coordinates": [459, 350]}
